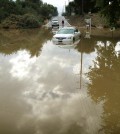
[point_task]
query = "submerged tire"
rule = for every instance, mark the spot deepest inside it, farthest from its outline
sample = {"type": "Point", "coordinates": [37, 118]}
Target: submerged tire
{"type": "Point", "coordinates": [73, 39]}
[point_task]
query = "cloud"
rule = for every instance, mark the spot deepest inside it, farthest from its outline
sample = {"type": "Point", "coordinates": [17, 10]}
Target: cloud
{"type": "Point", "coordinates": [59, 4]}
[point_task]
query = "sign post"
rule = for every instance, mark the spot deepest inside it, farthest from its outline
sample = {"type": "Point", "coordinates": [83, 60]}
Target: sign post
{"type": "Point", "coordinates": [112, 29]}
{"type": "Point", "coordinates": [88, 28]}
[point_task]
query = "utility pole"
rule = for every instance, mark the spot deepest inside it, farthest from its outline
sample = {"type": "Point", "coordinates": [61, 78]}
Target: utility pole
{"type": "Point", "coordinates": [82, 7]}
{"type": "Point", "coordinates": [81, 69]}
{"type": "Point", "coordinates": [88, 28]}
{"type": "Point", "coordinates": [65, 6]}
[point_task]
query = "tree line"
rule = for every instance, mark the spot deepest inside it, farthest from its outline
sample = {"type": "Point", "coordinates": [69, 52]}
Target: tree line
{"type": "Point", "coordinates": [108, 8]}
{"type": "Point", "coordinates": [25, 13]}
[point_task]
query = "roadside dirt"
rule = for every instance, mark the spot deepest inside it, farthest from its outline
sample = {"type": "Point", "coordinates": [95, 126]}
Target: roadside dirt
{"type": "Point", "coordinates": [99, 26]}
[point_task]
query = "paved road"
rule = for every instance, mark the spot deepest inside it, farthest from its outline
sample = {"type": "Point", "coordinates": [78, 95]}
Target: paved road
{"type": "Point", "coordinates": [60, 18]}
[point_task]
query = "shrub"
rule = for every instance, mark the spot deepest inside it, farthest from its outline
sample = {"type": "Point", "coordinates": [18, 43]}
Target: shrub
{"type": "Point", "coordinates": [19, 21]}
{"type": "Point", "coordinates": [11, 21]}
{"type": "Point", "coordinates": [29, 21]}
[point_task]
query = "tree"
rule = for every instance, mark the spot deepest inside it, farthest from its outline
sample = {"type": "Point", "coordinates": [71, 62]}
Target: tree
{"type": "Point", "coordinates": [71, 8]}
{"type": "Point", "coordinates": [110, 9]}
{"type": "Point", "coordinates": [105, 85]}
{"type": "Point", "coordinates": [36, 8]}
{"type": "Point", "coordinates": [34, 1]}
{"type": "Point", "coordinates": [47, 10]}
{"type": "Point", "coordinates": [80, 6]}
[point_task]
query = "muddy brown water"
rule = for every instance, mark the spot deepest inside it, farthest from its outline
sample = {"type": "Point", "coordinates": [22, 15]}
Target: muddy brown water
{"type": "Point", "coordinates": [58, 89]}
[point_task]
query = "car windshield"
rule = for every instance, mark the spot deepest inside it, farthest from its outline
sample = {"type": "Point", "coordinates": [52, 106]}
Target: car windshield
{"type": "Point", "coordinates": [54, 20]}
{"type": "Point", "coordinates": [66, 31]}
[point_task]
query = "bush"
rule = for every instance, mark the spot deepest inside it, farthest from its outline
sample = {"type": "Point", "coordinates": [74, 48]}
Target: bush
{"type": "Point", "coordinates": [29, 21]}
{"type": "Point", "coordinates": [11, 21]}
{"type": "Point", "coordinates": [19, 21]}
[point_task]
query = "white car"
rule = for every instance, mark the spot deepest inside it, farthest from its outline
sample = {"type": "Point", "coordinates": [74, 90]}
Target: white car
{"type": "Point", "coordinates": [55, 23]}
{"type": "Point", "coordinates": [66, 34]}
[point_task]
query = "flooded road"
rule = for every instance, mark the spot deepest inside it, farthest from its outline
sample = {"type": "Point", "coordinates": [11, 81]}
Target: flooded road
{"type": "Point", "coordinates": [58, 89]}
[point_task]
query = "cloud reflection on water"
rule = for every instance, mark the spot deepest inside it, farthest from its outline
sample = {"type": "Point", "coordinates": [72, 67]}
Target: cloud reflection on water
{"type": "Point", "coordinates": [48, 86]}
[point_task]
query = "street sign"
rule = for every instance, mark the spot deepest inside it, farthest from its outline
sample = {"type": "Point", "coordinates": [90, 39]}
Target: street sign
{"type": "Point", "coordinates": [112, 29]}
{"type": "Point", "coordinates": [88, 28]}
{"type": "Point", "coordinates": [88, 20]}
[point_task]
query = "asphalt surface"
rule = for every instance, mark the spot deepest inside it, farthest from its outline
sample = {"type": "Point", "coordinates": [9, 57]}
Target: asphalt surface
{"type": "Point", "coordinates": [60, 18]}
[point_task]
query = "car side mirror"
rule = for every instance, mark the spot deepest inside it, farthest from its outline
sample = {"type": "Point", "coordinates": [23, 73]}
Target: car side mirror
{"type": "Point", "coordinates": [76, 32]}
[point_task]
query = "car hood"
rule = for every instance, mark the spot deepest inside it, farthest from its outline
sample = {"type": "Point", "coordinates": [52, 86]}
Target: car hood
{"type": "Point", "coordinates": [63, 35]}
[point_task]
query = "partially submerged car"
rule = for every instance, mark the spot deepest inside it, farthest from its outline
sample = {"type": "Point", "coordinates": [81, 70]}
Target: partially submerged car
{"type": "Point", "coordinates": [66, 34]}
{"type": "Point", "coordinates": [54, 23]}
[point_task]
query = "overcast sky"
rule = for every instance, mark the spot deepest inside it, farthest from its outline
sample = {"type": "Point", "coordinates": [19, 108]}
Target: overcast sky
{"type": "Point", "coordinates": [59, 4]}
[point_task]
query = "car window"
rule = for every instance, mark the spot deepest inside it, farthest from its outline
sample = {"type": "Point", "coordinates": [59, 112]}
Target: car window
{"type": "Point", "coordinates": [66, 31]}
{"type": "Point", "coordinates": [76, 30]}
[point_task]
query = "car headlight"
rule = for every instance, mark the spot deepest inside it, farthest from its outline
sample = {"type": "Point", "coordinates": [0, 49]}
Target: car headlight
{"type": "Point", "coordinates": [69, 37]}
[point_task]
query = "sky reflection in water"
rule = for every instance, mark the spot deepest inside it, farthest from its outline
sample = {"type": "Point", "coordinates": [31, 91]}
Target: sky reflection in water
{"type": "Point", "coordinates": [42, 93]}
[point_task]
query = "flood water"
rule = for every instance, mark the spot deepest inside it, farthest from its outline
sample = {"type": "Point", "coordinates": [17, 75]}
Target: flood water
{"type": "Point", "coordinates": [58, 89]}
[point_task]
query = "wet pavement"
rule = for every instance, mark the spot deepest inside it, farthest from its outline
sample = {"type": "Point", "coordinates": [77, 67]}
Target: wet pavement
{"type": "Point", "coordinates": [58, 89]}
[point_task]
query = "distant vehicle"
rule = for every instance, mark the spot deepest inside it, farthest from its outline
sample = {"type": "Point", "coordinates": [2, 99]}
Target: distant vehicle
{"type": "Point", "coordinates": [54, 23]}
{"type": "Point", "coordinates": [66, 34]}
